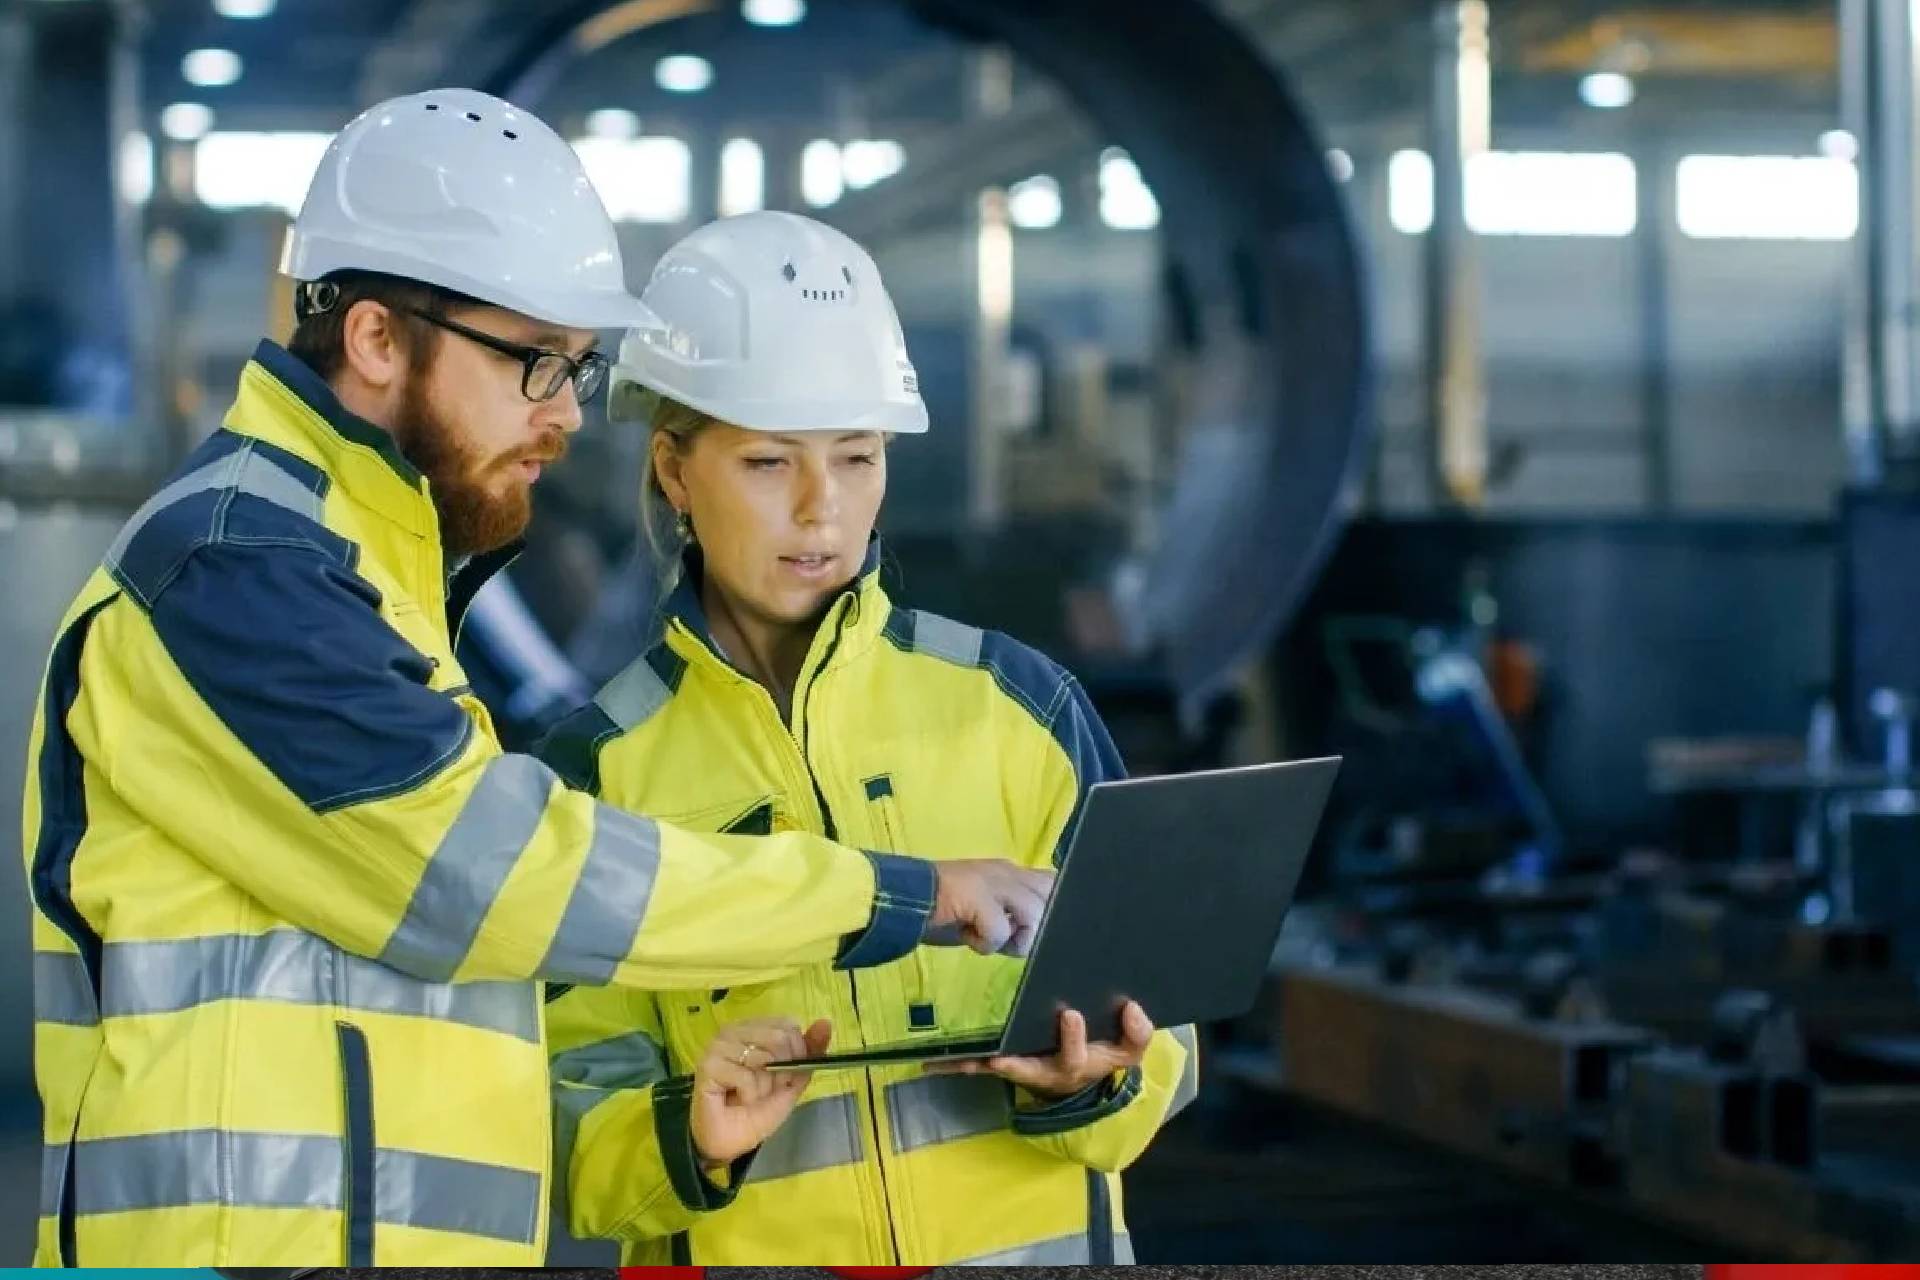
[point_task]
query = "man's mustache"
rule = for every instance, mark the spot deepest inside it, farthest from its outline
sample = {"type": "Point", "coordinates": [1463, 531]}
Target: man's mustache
{"type": "Point", "coordinates": [547, 452]}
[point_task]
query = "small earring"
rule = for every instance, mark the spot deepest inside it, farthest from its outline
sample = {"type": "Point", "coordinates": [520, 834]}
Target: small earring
{"type": "Point", "coordinates": [683, 526]}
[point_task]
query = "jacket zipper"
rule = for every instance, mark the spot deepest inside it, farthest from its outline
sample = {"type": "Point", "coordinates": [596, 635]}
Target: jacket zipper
{"type": "Point", "coordinates": [800, 736]}
{"type": "Point", "coordinates": [797, 733]}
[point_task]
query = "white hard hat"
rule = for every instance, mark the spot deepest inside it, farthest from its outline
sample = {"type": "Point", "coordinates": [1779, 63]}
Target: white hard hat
{"type": "Point", "coordinates": [458, 189]}
{"type": "Point", "coordinates": [774, 322]}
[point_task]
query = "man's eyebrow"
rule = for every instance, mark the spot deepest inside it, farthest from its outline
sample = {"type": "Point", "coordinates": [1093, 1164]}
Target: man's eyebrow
{"type": "Point", "coordinates": [556, 340]}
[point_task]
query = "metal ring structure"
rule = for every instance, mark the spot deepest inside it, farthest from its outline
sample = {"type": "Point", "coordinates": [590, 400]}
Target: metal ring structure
{"type": "Point", "coordinates": [1263, 282]}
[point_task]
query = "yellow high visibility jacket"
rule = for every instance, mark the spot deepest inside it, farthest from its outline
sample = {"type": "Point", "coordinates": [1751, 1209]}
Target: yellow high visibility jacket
{"type": "Point", "coordinates": [908, 732]}
{"type": "Point", "coordinates": [292, 903]}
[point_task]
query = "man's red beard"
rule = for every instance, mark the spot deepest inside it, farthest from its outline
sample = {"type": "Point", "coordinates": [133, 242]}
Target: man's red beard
{"type": "Point", "coordinates": [481, 506]}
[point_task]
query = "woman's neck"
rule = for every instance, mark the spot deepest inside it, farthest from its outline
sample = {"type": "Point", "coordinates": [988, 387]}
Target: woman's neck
{"type": "Point", "coordinates": [772, 653]}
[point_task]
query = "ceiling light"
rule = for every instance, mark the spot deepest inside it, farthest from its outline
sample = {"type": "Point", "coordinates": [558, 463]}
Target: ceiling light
{"type": "Point", "coordinates": [683, 73]}
{"type": "Point", "coordinates": [186, 121]}
{"type": "Point", "coordinates": [1838, 144]}
{"type": "Point", "coordinates": [1606, 90]}
{"type": "Point", "coordinates": [211, 68]}
{"type": "Point", "coordinates": [613, 122]}
{"type": "Point", "coordinates": [773, 13]}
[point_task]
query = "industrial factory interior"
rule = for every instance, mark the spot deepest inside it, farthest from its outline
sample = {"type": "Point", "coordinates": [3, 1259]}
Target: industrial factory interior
{"type": "Point", "coordinates": [1519, 399]}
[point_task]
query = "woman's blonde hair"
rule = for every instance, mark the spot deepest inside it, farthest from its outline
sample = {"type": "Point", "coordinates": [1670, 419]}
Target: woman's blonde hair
{"type": "Point", "coordinates": [666, 536]}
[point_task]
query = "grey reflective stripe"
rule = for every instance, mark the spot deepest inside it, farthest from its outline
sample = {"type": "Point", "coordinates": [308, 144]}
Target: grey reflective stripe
{"type": "Point", "coordinates": [185, 1167]}
{"type": "Point", "coordinates": [218, 474]}
{"type": "Point", "coordinates": [632, 697]}
{"type": "Point", "coordinates": [609, 900]}
{"type": "Point", "coordinates": [441, 1193]}
{"type": "Point", "coordinates": [944, 638]}
{"type": "Point", "coordinates": [301, 1171]}
{"type": "Point", "coordinates": [822, 1134]}
{"type": "Point", "coordinates": [627, 1061]}
{"type": "Point", "coordinates": [262, 479]}
{"type": "Point", "coordinates": [62, 991]}
{"type": "Point", "coordinates": [295, 967]}
{"type": "Point", "coordinates": [53, 1176]}
{"type": "Point", "coordinates": [571, 1103]}
{"type": "Point", "coordinates": [1188, 1087]}
{"type": "Point", "coordinates": [932, 1109]}
{"type": "Point", "coordinates": [243, 470]}
{"type": "Point", "coordinates": [1064, 1251]}
{"type": "Point", "coordinates": [478, 852]}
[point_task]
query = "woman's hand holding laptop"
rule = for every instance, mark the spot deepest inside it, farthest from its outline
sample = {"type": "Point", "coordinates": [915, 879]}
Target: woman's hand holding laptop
{"type": "Point", "coordinates": [1076, 1065]}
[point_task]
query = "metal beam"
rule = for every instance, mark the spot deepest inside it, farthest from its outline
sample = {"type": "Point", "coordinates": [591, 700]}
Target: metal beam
{"type": "Point", "coordinates": [1457, 1067]}
{"type": "Point", "coordinates": [1460, 130]}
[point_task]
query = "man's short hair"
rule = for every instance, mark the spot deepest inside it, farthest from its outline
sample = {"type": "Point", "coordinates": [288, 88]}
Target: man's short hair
{"type": "Point", "coordinates": [319, 336]}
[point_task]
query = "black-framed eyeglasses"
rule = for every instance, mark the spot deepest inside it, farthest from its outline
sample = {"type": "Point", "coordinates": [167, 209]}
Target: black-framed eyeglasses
{"type": "Point", "coordinates": [542, 371]}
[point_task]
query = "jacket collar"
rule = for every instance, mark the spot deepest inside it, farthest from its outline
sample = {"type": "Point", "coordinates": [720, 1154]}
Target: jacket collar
{"type": "Point", "coordinates": [859, 612]}
{"type": "Point", "coordinates": [283, 401]}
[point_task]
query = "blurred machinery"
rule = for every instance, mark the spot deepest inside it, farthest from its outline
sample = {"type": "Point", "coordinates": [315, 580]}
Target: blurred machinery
{"type": "Point", "coordinates": [1721, 1039]}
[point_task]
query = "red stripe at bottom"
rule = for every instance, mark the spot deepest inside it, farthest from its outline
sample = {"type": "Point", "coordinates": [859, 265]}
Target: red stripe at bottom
{"type": "Point", "coordinates": [1813, 1271]}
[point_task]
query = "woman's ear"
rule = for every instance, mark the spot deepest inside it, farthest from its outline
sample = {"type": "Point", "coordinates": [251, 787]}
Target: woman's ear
{"type": "Point", "coordinates": [668, 464]}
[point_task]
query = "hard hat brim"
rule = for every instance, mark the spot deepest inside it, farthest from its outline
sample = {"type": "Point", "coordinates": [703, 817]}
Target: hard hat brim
{"type": "Point", "coordinates": [792, 414]}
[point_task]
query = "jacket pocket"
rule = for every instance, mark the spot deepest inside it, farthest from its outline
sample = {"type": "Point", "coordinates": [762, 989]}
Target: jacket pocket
{"type": "Point", "coordinates": [746, 817]}
{"type": "Point", "coordinates": [357, 1189]}
{"type": "Point", "coordinates": [890, 830]}
{"type": "Point", "coordinates": [756, 821]}
{"type": "Point", "coordinates": [884, 809]}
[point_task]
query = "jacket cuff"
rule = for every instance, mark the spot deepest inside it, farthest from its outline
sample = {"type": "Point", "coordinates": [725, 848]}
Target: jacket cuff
{"type": "Point", "coordinates": [903, 891]}
{"type": "Point", "coordinates": [1094, 1103]}
{"type": "Point", "coordinates": [673, 1125]}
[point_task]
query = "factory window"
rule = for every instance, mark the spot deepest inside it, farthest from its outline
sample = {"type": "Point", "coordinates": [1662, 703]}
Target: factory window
{"type": "Point", "coordinates": [828, 169]}
{"type": "Point", "coordinates": [1410, 191]}
{"type": "Point", "coordinates": [1125, 200]}
{"type": "Point", "coordinates": [1767, 197]}
{"type": "Point", "coordinates": [1523, 193]}
{"type": "Point", "coordinates": [135, 168]}
{"type": "Point", "coordinates": [821, 179]}
{"type": "Point", "coordinates": [866, 161]}
{"type": "Point", "coordinates": [256, 170]}
{"type": "Point", "coordinates": [640, 179]}
{"type": "Point", "coordinates": [743, 177]}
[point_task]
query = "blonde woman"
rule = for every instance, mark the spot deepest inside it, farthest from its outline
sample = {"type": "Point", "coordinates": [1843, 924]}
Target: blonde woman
{"type": "Point", "coordinates": [785, 691]}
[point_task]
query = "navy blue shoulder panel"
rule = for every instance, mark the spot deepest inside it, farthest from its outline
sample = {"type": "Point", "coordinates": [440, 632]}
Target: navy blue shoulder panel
{"type": "Point", "coordinates": [63, 798]}
{"type": "Point", "coordinates": [1059, 701]}
{"type": "Point", "coordinates": [571, 748]}
{"type": "Point", "coordinates": [1037, 681]}
{"type": "Point", "coordinates": [232, 488]}
{"type": "Point", "coordinates": [668, 665]}
{"type": "Point", "coordinates": [1048, 692]}
{"type": "Point", "coordinates": [899, 628]}
{"type": "Point", "coordinates": [286, 644]}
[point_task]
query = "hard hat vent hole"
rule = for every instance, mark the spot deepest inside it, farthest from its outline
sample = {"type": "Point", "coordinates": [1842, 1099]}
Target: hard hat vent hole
{"type": "Point", "coordinates": [790, 274]}
{"type": "Point", "coordinates": [509, 135]}
{"type": "Point", "coordinates": [847, 274]}
{"type": "Point", "coordinates": [433, 106]}
{"type": "Point", "coordinates": [473, 116]}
